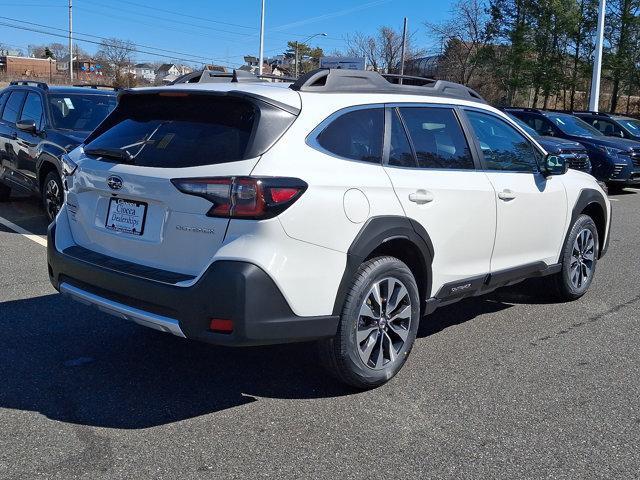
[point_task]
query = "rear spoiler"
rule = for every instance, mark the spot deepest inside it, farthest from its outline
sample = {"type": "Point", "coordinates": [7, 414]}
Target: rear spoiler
{"type": "Point", "coordinates": [252, 97]}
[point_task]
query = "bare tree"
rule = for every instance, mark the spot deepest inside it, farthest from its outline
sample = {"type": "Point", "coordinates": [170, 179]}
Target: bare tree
{"type": "Point", "coordinates": [360, 45]}
{"type": "Point", "coordinates": [462, 39]}
{"type": "Point", "coordinates": [58, 50]}
{"type": "Point", "coordinates": [116, 53]}
{"type": "Point", "coordinates": [382, 51]}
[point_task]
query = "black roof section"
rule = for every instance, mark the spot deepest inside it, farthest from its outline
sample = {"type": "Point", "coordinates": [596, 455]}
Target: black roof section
{"type": "Point", "coordinates": [68, 89]}
{"type": "Point", "coordinates": [30, 83]}
{"type": "Point", "coordinates": [325, 80]}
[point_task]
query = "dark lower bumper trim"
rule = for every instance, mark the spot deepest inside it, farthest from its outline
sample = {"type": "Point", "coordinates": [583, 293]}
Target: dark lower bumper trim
{"type": "Point", "coordinates": [232, 290]}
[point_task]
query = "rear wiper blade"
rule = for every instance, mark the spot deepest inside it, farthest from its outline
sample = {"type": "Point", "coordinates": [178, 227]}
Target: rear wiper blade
{"type": "Point", "coordinates": [113, 153]}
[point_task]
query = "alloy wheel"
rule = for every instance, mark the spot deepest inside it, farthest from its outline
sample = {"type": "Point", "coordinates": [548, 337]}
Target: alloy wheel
{"type": "Point", "coordinates": [53, 198]}
{"type": "Point", "coordinates": [384, 322]}
{"type": "Point", "coordinates": [582, 258]}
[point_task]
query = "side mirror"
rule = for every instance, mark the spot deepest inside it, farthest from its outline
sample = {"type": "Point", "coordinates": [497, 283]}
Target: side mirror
{"type": "Point", "coordinates": [555, 165]}
{"type": "Point", "coordinates": [27, 126]}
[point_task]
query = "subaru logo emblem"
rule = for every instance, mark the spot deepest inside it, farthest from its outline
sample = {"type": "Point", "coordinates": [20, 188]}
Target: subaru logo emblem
{"type": "Point", "coordinates": [114, 182]}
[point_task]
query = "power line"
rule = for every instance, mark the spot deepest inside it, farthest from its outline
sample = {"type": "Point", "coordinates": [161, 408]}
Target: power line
{"type": "Point", "coordinates": [173, 21]}
{"type": "Point", "coordinates": [99, 43]}
{"type": "Point", "coordinates": [202, 57]}
{"type": "Point", "coordinates": [173, 12]}
{"type": "Point", "coordinates": [190, 24]}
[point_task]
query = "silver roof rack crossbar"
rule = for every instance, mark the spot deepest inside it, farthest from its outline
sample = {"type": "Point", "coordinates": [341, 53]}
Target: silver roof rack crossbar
{"type": "Point", "coordinates": [235, 76]}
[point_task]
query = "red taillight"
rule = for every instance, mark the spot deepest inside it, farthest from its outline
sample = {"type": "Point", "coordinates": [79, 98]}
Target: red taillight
{"type": "Point", "coordinates": [221, 325]}
{"type": "Point", "coordinates": [283, 194]}
{"type": "Point", "coordinates": [244, 197]}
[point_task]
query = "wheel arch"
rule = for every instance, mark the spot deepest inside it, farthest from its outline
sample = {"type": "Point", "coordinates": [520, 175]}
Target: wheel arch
{"type": "Point", "coordinates": [592, 203]}
{"type": "Point", "coordinates": [47, 163]}
{"type": "Point", "coordinates": [396, 236]}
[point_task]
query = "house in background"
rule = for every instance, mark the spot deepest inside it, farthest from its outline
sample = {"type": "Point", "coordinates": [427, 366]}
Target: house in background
{"type": "Point", "coordinates": [27, 66]}
{"type": "Point", "coordinates": [252, 65]}
{"type": "Point", "coordinates": [168, 72]}
{"type": "Point", "coordinates": [144, 71]}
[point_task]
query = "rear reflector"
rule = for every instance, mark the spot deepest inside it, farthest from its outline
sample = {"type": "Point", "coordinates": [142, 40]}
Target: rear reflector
{"type": "Point", "coordinates": [254, 198]}
{"type": "Point", "coordinates": [221, 325]}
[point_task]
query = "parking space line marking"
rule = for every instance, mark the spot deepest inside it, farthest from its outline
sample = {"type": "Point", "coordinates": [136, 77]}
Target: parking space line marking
{"type": "Point", "coordinates": [39, 239]}
{"type": "Point", "coordinates": [614, 200]}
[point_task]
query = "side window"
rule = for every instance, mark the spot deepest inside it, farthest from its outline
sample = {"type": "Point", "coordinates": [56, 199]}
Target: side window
{"type": "Point", "coordinates": [12, 107]}
{"type": "Point", "coordinates": [3, 99]}
{"type": "Point", "coordinates": [437, 138]}
{"type": "Point", "coordinates": [539, 124]}
{"type": "Point", "coordinates": [356, 135]}
{"type": "Point", "coordinates": [400, 154]}
{"type": "Point", "coordinates": [502, 145]}
{"type": "Point", "coordinates": [32, 109]}
{"type": "Point", "coordinates": [606, 127]}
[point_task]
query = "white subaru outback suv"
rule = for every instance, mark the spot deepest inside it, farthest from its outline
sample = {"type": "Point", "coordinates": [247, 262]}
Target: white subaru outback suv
{"type": "Point", "coordinates": [341, 208]}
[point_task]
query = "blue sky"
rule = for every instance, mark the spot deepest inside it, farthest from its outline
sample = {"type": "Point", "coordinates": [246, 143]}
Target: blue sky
{"type": "Point", "coordinates": [216, 31]}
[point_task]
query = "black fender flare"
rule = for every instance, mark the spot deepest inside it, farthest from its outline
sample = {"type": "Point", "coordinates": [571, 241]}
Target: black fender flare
{"type": "Point", "coordinates": [587, 197]}
{"type": "Point", "coordinates": [49, 155]}
{"type": "Point", "coordinates": [375, 232]}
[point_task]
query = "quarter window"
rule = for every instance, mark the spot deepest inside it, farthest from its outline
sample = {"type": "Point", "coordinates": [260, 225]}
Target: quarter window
{"type": "Point", "coordinates": [437, 138]}
{"type": "Point", "coordinates": [32, 109]}
{"type": "Point", "coordinates": [503, 147]}
{"type": "Point", "coordinates": [356, 135]}
{"type": "Point", "coordinates": [12, 108]}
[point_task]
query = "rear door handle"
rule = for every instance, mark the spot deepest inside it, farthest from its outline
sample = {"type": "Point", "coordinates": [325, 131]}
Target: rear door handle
{"type": "Point", "coordinates": [421, 197]}
{"type": "Point", "coordinates": [506, 195]}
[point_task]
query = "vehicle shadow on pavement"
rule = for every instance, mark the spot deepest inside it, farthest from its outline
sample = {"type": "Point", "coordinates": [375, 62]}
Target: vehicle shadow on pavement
{"type": "Point", "coordinates": [75, 364]}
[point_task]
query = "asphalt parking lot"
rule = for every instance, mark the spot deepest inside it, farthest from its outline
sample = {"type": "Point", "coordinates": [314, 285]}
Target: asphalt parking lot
{"type": "Point", "coordinates": [504, 386]}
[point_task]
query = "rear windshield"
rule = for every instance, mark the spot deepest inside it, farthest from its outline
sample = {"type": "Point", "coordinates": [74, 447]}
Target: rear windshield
{"type": "Point", "coordinates": [80, 112]}
{"type": "Point", "coordinates": [185, 131]}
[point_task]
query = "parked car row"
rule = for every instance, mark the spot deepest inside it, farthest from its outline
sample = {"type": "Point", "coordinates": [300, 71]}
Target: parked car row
{"type": "Point", "coordinates": [341, 208]}
{"type": "Point", "coordinates": [611, 141]}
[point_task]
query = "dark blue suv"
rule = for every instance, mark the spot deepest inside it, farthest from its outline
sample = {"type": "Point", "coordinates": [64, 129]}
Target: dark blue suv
{"type": "Point", "coordinates": [576, 155]}
{"type": "Point", "coordinates": [615, 161]}
{"type": "Point", "coordinates": [612, 125]}
{"type": "Point", "coordinates": [40, 123]}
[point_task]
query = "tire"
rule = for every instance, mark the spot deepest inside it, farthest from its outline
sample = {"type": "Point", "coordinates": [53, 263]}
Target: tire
{"type": "Point", "coordinates": [5, 192]}
{"type": "Point", "coordinates": [359, 363]}
{"type": "Point", "coordinates": [52, 195]}
{"type": "Point", "coordinates": [579, 260]}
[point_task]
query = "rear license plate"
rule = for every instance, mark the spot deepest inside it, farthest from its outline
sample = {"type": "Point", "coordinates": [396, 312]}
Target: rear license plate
{"type": "Point", "coordinates": [126, 216]}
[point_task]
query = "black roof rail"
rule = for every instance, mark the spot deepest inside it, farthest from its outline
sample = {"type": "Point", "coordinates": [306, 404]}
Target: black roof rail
{"type": "Point", "coordinates": [523, 109]}
{"type": "Point", "coordinates": [97, 86]}
{"type": "Point", "coordinates": [591, 112]}
{"type": "Point", "coordinates": [31, 83]}
{"type": "Point", "coordinates": [325, 80]}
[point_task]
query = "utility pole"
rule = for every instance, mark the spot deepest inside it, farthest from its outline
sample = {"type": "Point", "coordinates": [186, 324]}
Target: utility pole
{"type": "Point", "coordinates": [261, 60]}
{"type": "Point", "coordinates": [296, 60]}
{"type": "Point", "coordinates": [597, 61]}
{"type": "Point", "coordinates": [71, 40]}
{"type": "Point", "coordinates": [402, 51]}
